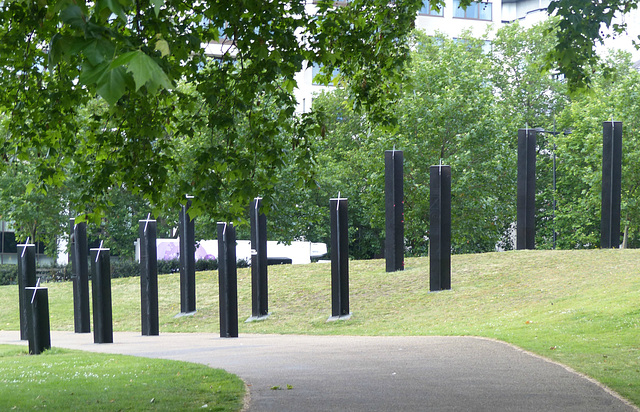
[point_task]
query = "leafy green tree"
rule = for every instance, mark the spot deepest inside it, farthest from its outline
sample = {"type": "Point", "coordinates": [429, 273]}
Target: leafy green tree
{"type": "Point", "coordinates": [34, 215]}
{"type": "Point", "coordinates": [447, 112]}
{"type": "Point", "coordinates": [56, 56]}
{"type": "Point", "coordinates": [529, 96]}
{"type": "Point", "coordinates": [449, 117]}
{"type": "Point", "coordinates": [614, 95]}
{"type": "Point", "coordinates": [351, 163]}
{"type": "Point", "coordinates": [577, 33]}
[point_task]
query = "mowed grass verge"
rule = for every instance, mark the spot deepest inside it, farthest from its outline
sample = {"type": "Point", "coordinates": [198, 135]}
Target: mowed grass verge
{"type": "Point", "coordinates": [65, 380]}
{"type": "Point", "coordinates": [580, 308]}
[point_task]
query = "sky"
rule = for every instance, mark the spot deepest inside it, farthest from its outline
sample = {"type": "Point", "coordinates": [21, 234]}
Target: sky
{"type": "Point", "coordinates": [624, 42]}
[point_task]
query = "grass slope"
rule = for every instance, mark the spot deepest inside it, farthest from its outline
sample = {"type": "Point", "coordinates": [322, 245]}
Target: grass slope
{"type": "Point", "coordinates": [65, 380]}
{"type": "Point", "coordinates": [581, 308]}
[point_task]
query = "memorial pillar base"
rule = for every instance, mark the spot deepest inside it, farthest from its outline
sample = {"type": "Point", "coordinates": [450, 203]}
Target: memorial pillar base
{"type": "Point", "coordinates": [257, 318]}
{"type": "Point", "coordinates": [337, 318]}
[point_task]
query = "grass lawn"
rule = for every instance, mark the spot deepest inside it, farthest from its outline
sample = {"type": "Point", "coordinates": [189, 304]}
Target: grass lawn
{"type": "Point", "coordinates": [65, 380]}
{"type": "Point", "coordinates": [580, 308]}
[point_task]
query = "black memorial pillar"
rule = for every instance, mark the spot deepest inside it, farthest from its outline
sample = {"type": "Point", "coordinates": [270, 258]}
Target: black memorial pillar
{"type": "Point", "coordinates": [149, 278]}
{"type": "Point", "coordinates": [39, 329]}
{"type": "Point", "coordinates": [26, 278]}
{"type": "Point", "coordinates": [440, 228]}
{"type": "Point", "coordinates": [227, 280]}
{"type": "Point", "coordinates": [80, 265]}
{"type": "Point", "coordinates": [259, 291]}
{"type": "Point", "coordinates": [526, 201]}
{"type": "Point", "coordinates": [611, 184]}
{"type": "Point", "coordinates": [339, 258]}
{"type": "Point", "coordinates": [101, 295]}
{"type": "Point", "coordinates": [394, 208]}
{"type": "Point", "coordinates": [187, 262]}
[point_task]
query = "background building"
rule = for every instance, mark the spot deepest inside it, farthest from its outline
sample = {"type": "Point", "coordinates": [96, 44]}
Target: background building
{"type": "Point", "coordinates": [482, 19]}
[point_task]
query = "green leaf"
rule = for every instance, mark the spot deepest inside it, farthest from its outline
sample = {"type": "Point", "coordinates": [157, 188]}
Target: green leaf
{"type": "Point", "coordinates": [111, 86]}
{"type": "Point", "coordinates": [123, 59]}
{"type": "Point", "coordinates": [98, 50]}
{"type": "Point", "coordinates": [55, 50]}
{"type": "Point", "coordinates": [30, 187]}
{"type": "Point", "coordinates": [116, 8]}
{"type": "Point", "coordinates": [163, 47]}
{"type": "Point", "coordinates": [91, 74]}
{"type": "Point", "coordinates": [289, 85]}
{"type": "Point", "coordinates": [157, 4]}
{"type": "Point", "coordinates": [145, 70]}
{"type": "Point", "coordinates": [73, 16]}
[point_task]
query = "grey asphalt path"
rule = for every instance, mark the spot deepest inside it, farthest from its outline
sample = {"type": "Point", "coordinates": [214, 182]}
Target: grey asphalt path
{"type": "Point", "coordinates": [352, 373]}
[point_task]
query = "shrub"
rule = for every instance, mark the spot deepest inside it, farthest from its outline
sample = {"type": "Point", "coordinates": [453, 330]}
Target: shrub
{"type": "Point", "coordinates": [119, 269]}
{"type": "Point", "coordinates": [166, 267]}
{"type": "Point", "coordinates": [54, 273]}
{"type": "Point", "coordinates": [8, 274]}
{"type": "Point", "coordinates": [206, 264]}
{"type": "Point", "coordinates": [124, 268]}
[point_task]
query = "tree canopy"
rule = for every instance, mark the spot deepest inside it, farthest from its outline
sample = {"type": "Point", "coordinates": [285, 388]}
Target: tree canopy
{"type": "Point", "coordinates": [171, 112]}
{"type": "Point", "coordinates": [161, 98]}
{"type": "Point", "coordinates": [579, 30]}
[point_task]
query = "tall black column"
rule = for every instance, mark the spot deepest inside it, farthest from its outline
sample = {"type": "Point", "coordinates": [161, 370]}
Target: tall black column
{"type": "Point", "coordinates": [259, 290]}
{"type": "Point", "coordinates": [187, 262]}
{"type": "Point", "coordinates": [394, 207]}
{"type": "Point", "coordinates": [80, 265]}
{"type": "Point", "coordinates": [39, 329]}
{"type": "Point", "coordinates": [339, 258]}
{"type": "Point", "coordinates": [26, 278]}
{"type": "Point", "coordinates": [149, 278]}
{"type": "Point", "coordinates": [227, 280]}
{"type": "Point", "coordinates": [440, 228]}
{"type": "Point", "coordinates": [101, 295]}
{"type": "Point", "coordinates": [611, 184]}
{"type": "Point", "coordinates": [526, 203]}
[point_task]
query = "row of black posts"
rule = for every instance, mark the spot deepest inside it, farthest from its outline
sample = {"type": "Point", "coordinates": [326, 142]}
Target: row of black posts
{"type": "Point", "coordinates": [100, 261]}
{"type": "Point", "coordinates": [100, 286]}
{"type": "Point", "coordinates": [34, 317]}
{"type": "Point", "coordinates": [439, 220]}
{"type": "Point", "coordinates": [440, 203]}
{"type": "Point", "coordinates": [611, 187]}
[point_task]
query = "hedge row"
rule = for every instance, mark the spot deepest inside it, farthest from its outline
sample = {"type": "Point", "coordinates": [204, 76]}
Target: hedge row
{"type": "Point", "coordinates": [8, 274]}
{"type": "Point", "coordinates": [119, 269]}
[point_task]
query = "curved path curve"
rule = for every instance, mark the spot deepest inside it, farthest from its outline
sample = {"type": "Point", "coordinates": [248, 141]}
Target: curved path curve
{"type": "Point", "coordinates": [356, 373]}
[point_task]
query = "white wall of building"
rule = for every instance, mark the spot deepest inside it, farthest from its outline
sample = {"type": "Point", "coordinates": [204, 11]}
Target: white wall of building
{"type": "Point", "coordinates": [527, 12]}
{"type": "Point", "coordinates": [447, 24]}
{"type": "Point", "coordinates": [299, 252]}
{"type": "Point", "coordinates": [624, 41]}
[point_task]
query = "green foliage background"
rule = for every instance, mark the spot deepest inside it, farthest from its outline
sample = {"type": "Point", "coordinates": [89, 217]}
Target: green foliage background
{"type": "Point", "coordinates": [152, 122]}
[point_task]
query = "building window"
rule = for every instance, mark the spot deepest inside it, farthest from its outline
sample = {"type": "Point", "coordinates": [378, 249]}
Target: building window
{"type": "Point", "coordinates": [430, 11]}
{"type": "Point", "coordinates": [475, 11]}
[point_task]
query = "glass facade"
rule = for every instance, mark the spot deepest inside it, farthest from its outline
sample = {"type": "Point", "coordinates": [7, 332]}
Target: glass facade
{"type": "Point", "coordinates": [475, 11]}
{"type": "Point", "coordinates": [429, 11]}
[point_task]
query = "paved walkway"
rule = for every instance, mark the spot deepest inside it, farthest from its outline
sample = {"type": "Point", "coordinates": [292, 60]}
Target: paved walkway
{"type": "Point", "coordinates": [350, 373]}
